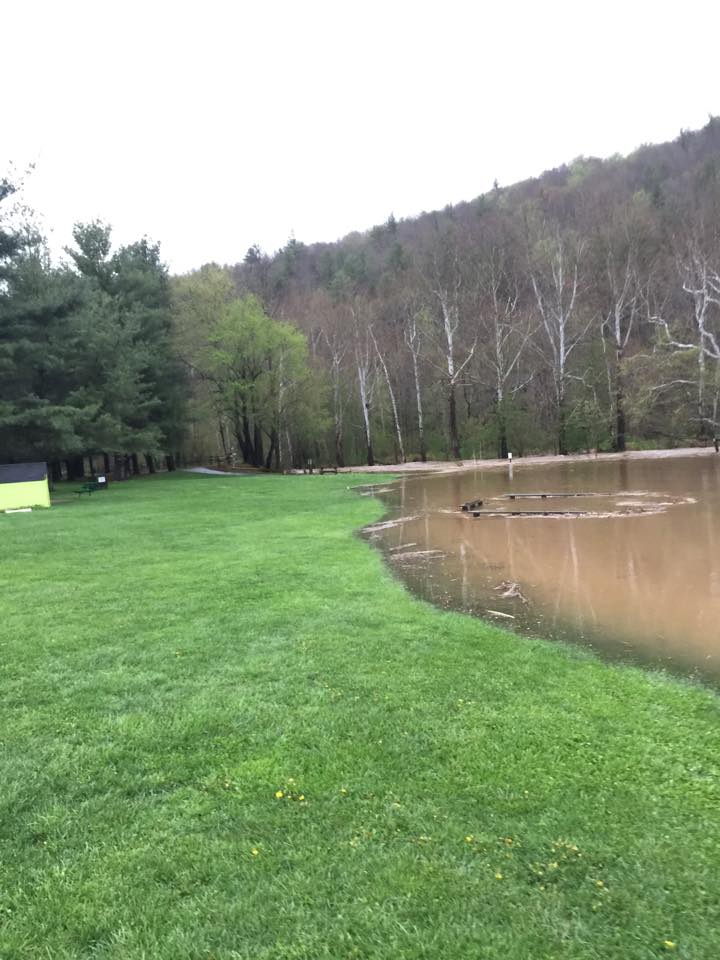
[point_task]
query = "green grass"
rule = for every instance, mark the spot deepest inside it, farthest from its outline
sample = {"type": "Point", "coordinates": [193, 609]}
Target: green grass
{"type": "Point", "coordinates": [178, 650]}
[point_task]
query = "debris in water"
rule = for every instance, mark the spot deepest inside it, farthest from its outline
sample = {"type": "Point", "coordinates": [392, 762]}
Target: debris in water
{"type": "Point", "coordinates": [419, 555]}
{"type": "Point", "coordinates": [510, 590]}
{"type": "Point", "coordinates": [389, 524]}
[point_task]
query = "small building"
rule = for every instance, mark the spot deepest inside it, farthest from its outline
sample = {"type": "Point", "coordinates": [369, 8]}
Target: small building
{"type": "Point", "coordinates": [23, 485]}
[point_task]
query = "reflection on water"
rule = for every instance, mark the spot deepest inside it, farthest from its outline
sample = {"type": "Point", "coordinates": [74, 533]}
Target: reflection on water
{"type": "Point", "coordinates": [642, 587]}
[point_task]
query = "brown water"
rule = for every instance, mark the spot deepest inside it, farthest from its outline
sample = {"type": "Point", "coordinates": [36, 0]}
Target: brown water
{"type": "Point", "coordinates": [637, 579]}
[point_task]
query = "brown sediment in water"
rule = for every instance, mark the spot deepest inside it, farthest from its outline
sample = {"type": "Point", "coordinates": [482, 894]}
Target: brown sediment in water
{"type": "Point", "coordinates": [646, 590]}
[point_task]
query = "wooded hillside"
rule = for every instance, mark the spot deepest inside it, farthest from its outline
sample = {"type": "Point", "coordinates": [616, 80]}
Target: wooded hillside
{"type": "Point", "coordinates": [579, 309]}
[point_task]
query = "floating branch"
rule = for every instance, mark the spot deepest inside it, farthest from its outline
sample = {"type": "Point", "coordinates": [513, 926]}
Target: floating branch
{"type": "Point", "coordinates": [548, 496]}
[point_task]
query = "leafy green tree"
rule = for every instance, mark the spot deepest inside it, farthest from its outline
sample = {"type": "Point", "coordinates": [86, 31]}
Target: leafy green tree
{"type": "Point", "coordinates": [253, 372]}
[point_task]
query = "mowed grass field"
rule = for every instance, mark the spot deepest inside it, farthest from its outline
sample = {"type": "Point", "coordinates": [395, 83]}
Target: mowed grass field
{"type": "Point", "coordinates": [227, 732]}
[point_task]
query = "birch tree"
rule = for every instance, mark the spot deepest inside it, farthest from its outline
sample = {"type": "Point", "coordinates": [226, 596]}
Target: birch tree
{"type": "Point", "coordinates": [617, 324]}
{"type": "Point", "coordinates": [699, 272]}
{"type": "Point", "coordinates": [554, 274]}
{"type": "Point", "coordinates": [391, 393]}
{"type": "Point", "coordinates": [365, 366]}
{"type": "Point", "coordinates": [507, 332]}
{"type": "Point", "coordinates": [445, 283]}
{"type": "Point", "coordinates": [415, 322]}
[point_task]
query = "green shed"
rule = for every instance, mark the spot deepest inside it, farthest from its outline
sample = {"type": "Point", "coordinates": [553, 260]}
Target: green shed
{"type": "Point", "coordinates": [23, 485]}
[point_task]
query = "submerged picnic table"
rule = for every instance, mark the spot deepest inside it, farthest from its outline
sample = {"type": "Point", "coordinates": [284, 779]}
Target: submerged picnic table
{"type": "Point", "coordinates": [473, 506]}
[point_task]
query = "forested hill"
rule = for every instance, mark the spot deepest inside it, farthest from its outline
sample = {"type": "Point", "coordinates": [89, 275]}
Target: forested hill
{"type": "Point", "coordinates": [574, 310]}
{"type": "Point", "coordinates": [668, 174]}
{"type": "Point", "coordinates": [578, 310]}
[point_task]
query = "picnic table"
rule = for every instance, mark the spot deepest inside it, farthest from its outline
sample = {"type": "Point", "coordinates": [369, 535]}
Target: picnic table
{"type": "Point", "coordinates": [90, 486]}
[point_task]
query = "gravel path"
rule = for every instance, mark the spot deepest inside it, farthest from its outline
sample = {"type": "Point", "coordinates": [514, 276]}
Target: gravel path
{"type": "Point", "coordinates": [214, 473]}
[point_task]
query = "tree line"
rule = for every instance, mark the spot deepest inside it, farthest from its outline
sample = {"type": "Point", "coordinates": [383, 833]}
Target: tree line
{"type": "Point", "coordinates": [578, 310]}
{"type": "Point", "coordinates": [87, 365]}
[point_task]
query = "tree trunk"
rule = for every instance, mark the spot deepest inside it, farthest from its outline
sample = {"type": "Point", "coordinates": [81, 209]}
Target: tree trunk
{"type": "Point", "coordinates": [135, 464]}
{"type": "Point", "coordinates": [271, 450]}
{"type": "Point", "coordinates": [338, 417]}
{"type": "Point", "coordinates": [258, 447]}
{"type": "Point", "coordinates": [242, 436]}
{"type": "Point", "coordinates": [418, 404]}
{"type": "Point", "coordinates": [702, 425]}
{"type": "Point", "coordinates": [400, 449]}
{"type": "Point", "coordinates": [452, 423]}
{"type": "Point", "coordinates": [503, 441]}
{"type": "Point", "coordinates": [339, 452]}
{"type": "Point", "coordinates": [150, 461]}
{"type": "Point", "coordinates": [562, 428]}
{"type": "Point", "coordinates": [118, 471]}
{"type": "Point", "coordinates": [223, 439]}
{"type": "Point", "coordinates": [75, 468]}
{"type": "Point", "coordinates": [620, 427]}
{"type": "Point", "coordinates": [278, 453]}
{"type": "Point", "coordinates": [56, 471]}
{"type": "Point", "coordinates": [106, 462]}
{"type": "Point", "coordinates": [170, 462]}
{"type": "Point", "coordinates": [619, 442]}
{"type": "Point", "coordinates": [368, 438]}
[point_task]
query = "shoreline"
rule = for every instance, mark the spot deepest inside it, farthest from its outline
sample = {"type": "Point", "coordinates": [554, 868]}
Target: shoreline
{"type": "Point", "coordinates": [456, 466]}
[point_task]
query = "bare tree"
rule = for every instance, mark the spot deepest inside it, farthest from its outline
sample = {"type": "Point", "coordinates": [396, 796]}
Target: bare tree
{"type": "Point", "coordinates": [413, 335]}
{"type": "Point", "coordinates": [507, 334]}
{"type": "Point", "coordinates": [700, 278]}
{"type": "Point", "coordinates": [701, 281]}
{"type": "Point", "coordinates": [364, 351]}
{"type": "Point", "coordinates": [391, 393]}
{"type": "Point", "coordinates": [445, 283]}
{"type": "Point", "coordinates": [554, 273]}
{"type": "Point", "coordinates": [617, 324]}
{"type": "Point", "coordinates": [333, 322]}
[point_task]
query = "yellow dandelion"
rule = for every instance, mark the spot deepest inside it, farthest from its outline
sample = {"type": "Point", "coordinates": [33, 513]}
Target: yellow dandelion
{"type": "Point", "coordinates": [279, 794]}
{"type": "Point", "coordinates": [343, 791]}
{"type": "Point", "coordinates": [301, 797]}
{"type": "Point", "coordinates": [498, 876]}
{"type": "Point", "coordinates": [255, 852]}
{"type": "Point", "coordinates": [599, 883]}
{"type": "Point", "coordinates": [669, 944]}
{"type": "Point", "coordinates": [469, 838]}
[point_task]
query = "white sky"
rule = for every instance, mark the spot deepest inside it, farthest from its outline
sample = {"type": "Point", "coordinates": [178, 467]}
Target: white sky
{"type": "Point", "coordinates": [213, 125]}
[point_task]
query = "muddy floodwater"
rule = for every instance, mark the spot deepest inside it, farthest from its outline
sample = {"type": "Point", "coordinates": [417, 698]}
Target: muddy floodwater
{"type": "Point", "coordinates": [624, 557]}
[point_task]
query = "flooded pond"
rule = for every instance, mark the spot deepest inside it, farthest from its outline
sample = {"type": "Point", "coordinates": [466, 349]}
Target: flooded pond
{"type": "Point", "coordinates": [624, 557]}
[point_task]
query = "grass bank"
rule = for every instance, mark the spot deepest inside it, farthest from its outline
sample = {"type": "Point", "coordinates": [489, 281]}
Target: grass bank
{"type": "Point", "coordinates": [228, 733]}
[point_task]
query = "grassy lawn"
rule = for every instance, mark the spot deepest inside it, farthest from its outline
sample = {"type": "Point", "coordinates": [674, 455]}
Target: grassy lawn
{"type": "Point", "coordinates": [227, 732]}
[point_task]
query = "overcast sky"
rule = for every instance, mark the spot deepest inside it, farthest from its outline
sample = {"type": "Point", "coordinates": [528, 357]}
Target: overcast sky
{"type": "Point", "coordinates": [209, 126]}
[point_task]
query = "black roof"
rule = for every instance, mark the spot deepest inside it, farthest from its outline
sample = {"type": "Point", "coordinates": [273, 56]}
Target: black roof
{"type": "Point", "coordinates": [22, 472]}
